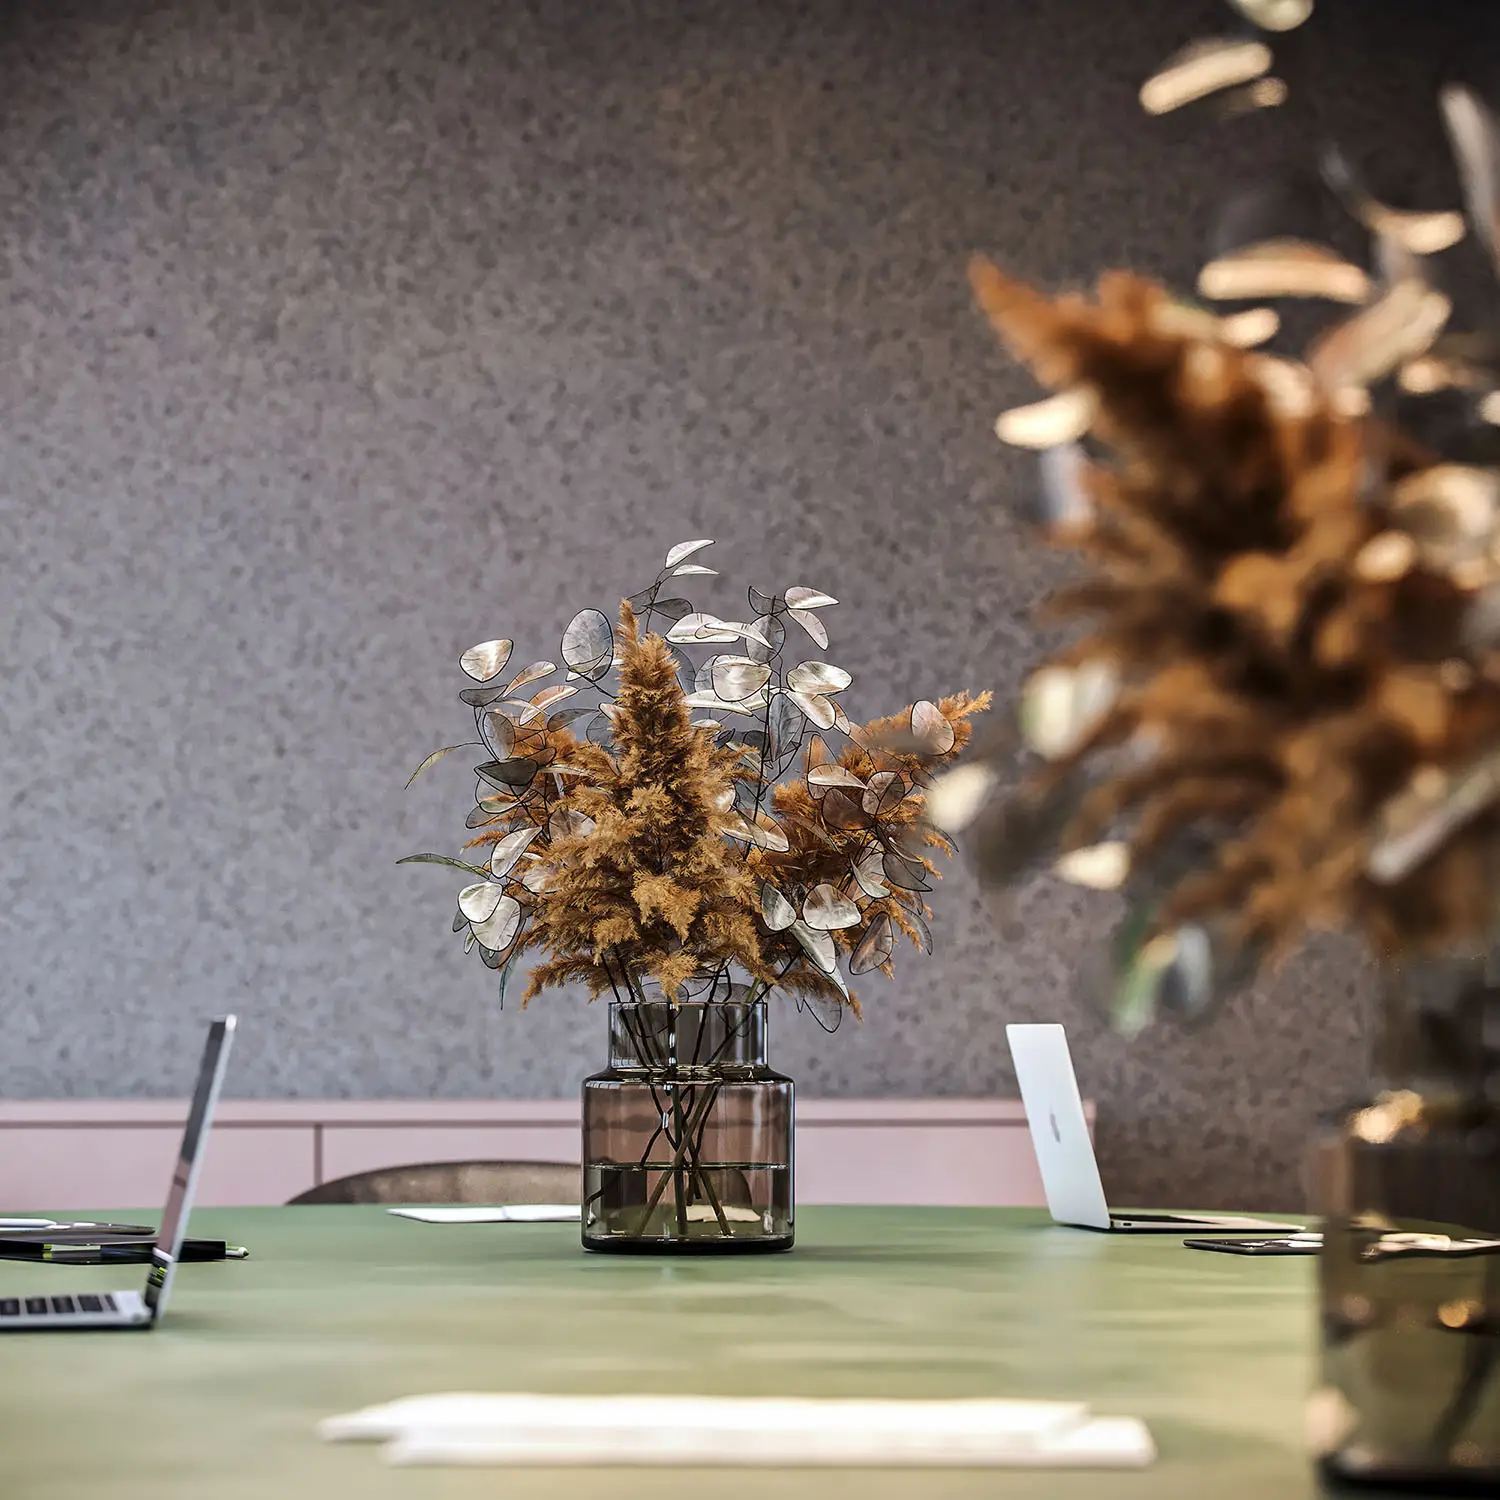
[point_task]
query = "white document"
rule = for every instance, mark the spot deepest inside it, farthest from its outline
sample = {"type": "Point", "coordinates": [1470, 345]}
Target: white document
{"type": "Point", "coordinates": [504, 1213]}
{"type": "Point", "coordinates": [495, 1429]}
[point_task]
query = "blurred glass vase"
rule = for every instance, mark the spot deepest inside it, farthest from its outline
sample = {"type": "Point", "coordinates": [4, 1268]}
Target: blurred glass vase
{"type": "Point", "coordinates": [1409, 1277]}
{"type": "Point", "coordinates": [687, 1134]}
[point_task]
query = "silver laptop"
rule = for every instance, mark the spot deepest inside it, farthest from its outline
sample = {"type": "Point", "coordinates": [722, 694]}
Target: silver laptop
{"type": "Point", "coordinates": [1065, 1154]}
{"type": "Point", "coordinates": [80, 1310]}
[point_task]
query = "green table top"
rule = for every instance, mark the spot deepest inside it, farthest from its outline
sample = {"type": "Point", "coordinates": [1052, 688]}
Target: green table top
{"type": "Point", "coordinates": [342, 1307]}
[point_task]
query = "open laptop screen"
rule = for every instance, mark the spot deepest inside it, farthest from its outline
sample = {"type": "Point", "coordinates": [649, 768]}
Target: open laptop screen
{"type": "Point", "coordinates": [189, 1160]}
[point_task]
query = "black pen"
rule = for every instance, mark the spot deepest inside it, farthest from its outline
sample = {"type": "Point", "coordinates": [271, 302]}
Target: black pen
{"type": "Point", "coordinates": [115, 1254]}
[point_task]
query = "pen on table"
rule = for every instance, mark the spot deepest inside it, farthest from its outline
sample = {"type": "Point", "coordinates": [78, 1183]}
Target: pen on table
{"type": "Point", "coordinates": [106, 1254]}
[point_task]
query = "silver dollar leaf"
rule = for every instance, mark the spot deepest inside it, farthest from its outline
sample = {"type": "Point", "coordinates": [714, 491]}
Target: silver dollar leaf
{"type": "Point", "coordinates": [684, 550]}
{"type": "Point", "coordinates": [588, 644]}
{"type": "Point", "coordinates": [736, 678]}
{"type": "Point", "coordinates": [812, 625]}
{"type": "Point", "coordinates": [486, 660]}
{"type": "Point", "coordinates": [805, 598]}
{"type": "Point", "coordinates": [817, 945]}
{"type": "Point", "coordinates": [825, 910]}
{"type": "Point", "coordinates": [779, 913]}
{"type": "Point", "coordinates": [815, 707]}
{"type": "Point", "coordinates": [875, 947]}
{"type": "Point", "coordinates": [501, 926]}
{"type": "Point", "coordinates": [509, 849]}
{"type": "Point", "coordinates": [817, 677]}
{"type": "Point", "coordinates": [930, 729]}
{"type": "Point", "coordinates": [478, 902]}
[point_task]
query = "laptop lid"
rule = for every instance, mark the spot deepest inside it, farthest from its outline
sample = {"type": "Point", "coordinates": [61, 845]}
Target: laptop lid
{"type": "Point", "coordinates": [1059, 1128]}
{"type": "Point", "coordinates": [174, 1216]}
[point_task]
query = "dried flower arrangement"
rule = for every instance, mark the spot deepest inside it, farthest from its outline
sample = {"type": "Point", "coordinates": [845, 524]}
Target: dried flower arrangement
{"type": "Point", "coordinates": [639, 837]}
{"type": "Point", "coordinates": [1285, 713]}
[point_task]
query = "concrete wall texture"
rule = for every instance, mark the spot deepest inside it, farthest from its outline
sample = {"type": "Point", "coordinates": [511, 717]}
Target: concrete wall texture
{"type": "Point", "coordinates": [336, 337]}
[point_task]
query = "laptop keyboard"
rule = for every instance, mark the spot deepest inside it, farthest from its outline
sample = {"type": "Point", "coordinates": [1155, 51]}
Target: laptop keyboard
{"type": "Point", "coordinates": [61, 1307]}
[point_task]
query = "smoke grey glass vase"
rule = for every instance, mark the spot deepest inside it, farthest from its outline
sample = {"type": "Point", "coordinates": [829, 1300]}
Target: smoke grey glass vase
{"type": "Point", "coordinates": [687, 1134]}
{"type": "Point", "coordinates": [1409, 1277]}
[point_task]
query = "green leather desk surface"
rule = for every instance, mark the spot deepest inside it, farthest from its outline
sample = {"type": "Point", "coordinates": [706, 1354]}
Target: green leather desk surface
{"type": "Point", "coordinates": [343, 1307]}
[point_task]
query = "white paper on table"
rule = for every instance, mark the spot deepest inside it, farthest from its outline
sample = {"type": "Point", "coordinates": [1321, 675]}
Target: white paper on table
{"type": "Point", "coordinates": [495, 1429]}
{"type": "Point", "coordinates": [503, 1213]}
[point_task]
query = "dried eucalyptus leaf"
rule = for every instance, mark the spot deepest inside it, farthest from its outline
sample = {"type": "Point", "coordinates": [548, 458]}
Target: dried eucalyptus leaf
{"type": "Point", "coordinates": [601, 732]}
{"type": "Point", "coordinates": [486, 660]}
{"type": "Point", "coordinates": [1283, 268]}
{"type": "Point", "coordinates": [1062, 706]}
{"type": "Point", "coordinates": [470, 939]}
{"type": "Point", "coordinates": [694, 569]}
{"type": "Point", "coordinates": [1419, 233]}
{"type": "Point", "coordinates": [1203, 68]}
{"type": "Point", "coordinates": [736, 678]}
{"type": "Point", "coordinates": [568, 822]}
{"type": "Point", "coordinates": [825, 910]}
{"type": "Point", "coordinates": [817, 945]}
{"type": "Point", "coordinates": [812, 625]}
{"type": "Point", "coordinates": [759, 834]}
{"type": "Point", "coordinates": [555, 694]}
{"type": "Point", "coordinates": [505, 855]}
{"type": "Point", "coordinates": [875, 947]}
{"type": "Point", "coordinates": [954, 800]}
{"type": "Point", "coordinates": [434, 758]}
{"type": "Point", "coordinates": [684, 550]}
{"type": "Point", "coordinates": [815, 708]}
{"type": "Point", "coordinates": [833, 775]}
{"type": "Point", "coordinates": [886, 792]}
{"type": "Point", "coordinates": [502, 925]}
{"type": "Point", "coordinates": [537, 878]}
{"type": "Point", "coordinates": [1274, 15]}
{"type": "Point", "coordinates": [840, 810]}
{"type": "Point", "coordinates": [498, 733]}
{"type": "Point", "coordinates": [778, 912]}
{"type": "Point", "coordinates": [673, 609]}
{"type": "Point", "coordinates": [869, 874]}
{"type": "Point", "coordinates": [841, 720]}
{"type": "Point", "coordinates": [478, 902]}
{"type": "Point", "coordinates": [518, 771]}
{"type": "Point", "coordinates": [906, 874]}
{"type": "Point", "coordinates": [1063, 418]}
{"type": "Point", "coordinates": [817, 677]}
{"type": "Point", "coordinates": [1100, 867]}
{"type": "Point", "coordinates": [566, 716]}
{"type": "Point", "coordinates": [930, 729]}
{"type": "Point", "coordinates": [1475, 137]}
{"type": "Point", "coordinates": [439, 859]}
{"type": "Point", "coordinates": [805, 598]}
{"type": "Point", "coordinates": [786, 726]}
{"type": "Point", "coordinates": [485, 814]}
{"type": "Point", "coordinates": [924, 932]}
{"type": "Point", "coordinates": [460, 921]}
{"type": "Point", "coordinates": [774, 633]}
{"type": "Point", "coordinates": [764, 604]}
{"type": "Point", "coordinates": [588, 644]}
{"type": "Point", "coordinates": [481, 697]}
{"type": "Point", "coordinates": [519, 711]}
{"type": "Point", "coordinates": [533, 673]}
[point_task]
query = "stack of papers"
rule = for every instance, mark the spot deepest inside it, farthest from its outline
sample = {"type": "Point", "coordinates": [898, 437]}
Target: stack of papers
{"type": "Point", "coordinates": [499, 1429]}
{"type": "Point", "coordinates": [504, 1213]}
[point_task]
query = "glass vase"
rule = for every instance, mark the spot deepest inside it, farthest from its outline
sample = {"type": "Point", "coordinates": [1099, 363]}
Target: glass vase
{"type": "Point", "coordinates": [1409, 1274]}
{"type": "Point", "coordinates": [687, 1134]}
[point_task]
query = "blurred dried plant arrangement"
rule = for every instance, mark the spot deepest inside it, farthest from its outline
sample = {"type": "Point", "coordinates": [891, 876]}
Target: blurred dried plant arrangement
{"type": "Point", "coordinates": [1282, 712]}
{"type": "Point", "coordinates": [687, 807]}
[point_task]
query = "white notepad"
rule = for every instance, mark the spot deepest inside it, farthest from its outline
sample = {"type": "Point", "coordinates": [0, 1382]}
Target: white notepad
{"type": "Point", "coordinates": [503, 1213]}
{"type": "Point", "coordinates": [469, 1428]}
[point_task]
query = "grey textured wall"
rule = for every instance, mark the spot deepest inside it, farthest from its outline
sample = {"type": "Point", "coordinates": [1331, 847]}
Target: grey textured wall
{"type": "Point", "coordinates": [335, 337]}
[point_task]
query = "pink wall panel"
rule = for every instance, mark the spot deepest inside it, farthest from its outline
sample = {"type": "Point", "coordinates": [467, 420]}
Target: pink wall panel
{"type": "Point", "coordinates": [96, 1154]}
{"type": "Point", "coordinates": [92, 1167]}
